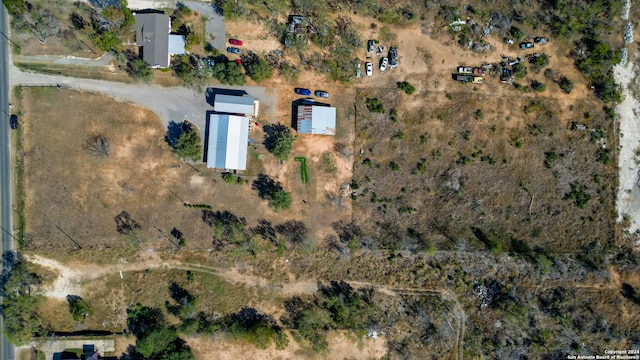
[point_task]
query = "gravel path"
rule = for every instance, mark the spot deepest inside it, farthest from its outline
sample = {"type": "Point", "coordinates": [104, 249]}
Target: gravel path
{"type": "Point", "coordinates": [628, 199]}
{"type": "Point", "coordinates": [628, 203]}
{"type": "Point", "coordinates": [169, 103]}
{"type": "Point", "coordinates": [102, 61]}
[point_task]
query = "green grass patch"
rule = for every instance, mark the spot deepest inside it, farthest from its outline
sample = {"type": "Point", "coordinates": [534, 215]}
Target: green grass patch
{"type": "Point", "coordinates": [304, 176]}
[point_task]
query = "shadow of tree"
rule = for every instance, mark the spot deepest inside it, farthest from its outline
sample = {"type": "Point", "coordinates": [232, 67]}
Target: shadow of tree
{"type": "Point", "coordinates": [265, 186]}
{"type": "Point", "coordinates": [174, 130]}
{"type": "Point", "coordinates": [125, 224]}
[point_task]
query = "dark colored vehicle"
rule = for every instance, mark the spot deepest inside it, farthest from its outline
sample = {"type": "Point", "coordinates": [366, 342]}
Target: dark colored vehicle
{"type": "Point", "coordinates": [233, 50]}
{"type": "Point", "coordinates": [302, 91]}
{"type": "Point", "coordinates": [526, 45]}
{"type": "Point", "coordinates": [393, 57]}
{"type": "Point", "coordinates": [540, 40]}
{"type": "Point", "coordinates": [462, 78]}
{"type": "Point", "coordinates": [13, 121]}
{"type": "Point", "coordinates": [322, 94]}
{"type": "Point", "coordinates": [235, 42]}
{"type": "Point", "coordinates": [506, 74]}
{"type": "Point", "coordinates": [370, 46]}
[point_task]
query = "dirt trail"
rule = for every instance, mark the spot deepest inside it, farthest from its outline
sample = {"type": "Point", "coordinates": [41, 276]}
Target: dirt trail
{"type": "Point", "coordinates": [69, 281]}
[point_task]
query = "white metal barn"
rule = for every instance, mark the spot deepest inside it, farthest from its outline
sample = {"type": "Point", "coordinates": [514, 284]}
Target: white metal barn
{"type": "Point", "coordinates": [228, 139]}
{"type": "Point", "coordinates": [234, 104]}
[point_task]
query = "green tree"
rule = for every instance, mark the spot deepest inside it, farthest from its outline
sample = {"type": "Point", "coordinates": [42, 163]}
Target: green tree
{"type": "Point", "coordinates": [20, 308]}
{"type": "Point", "coordinates": [108, 41]}
{"type": "Point", "coordinates": [260, 70]}
{"type": "Point", "coordinates": [156, 341]}
{"type": "Point", "coordinates": [280, 200]}
{"type": "Point", "coordinates": [229, 73]}
{"type": "Point", "coordinates": [188, 145]}
{"type": "Point", "coordinates": [272, 191]}
{"type": "Point", "coordinates": [278, 140]}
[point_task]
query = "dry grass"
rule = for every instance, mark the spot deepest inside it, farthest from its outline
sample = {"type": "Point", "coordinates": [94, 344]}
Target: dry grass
{"type": "Point", "coordinates": [484, 171]}
{"type": "Point", "coordinates": [73, 198]}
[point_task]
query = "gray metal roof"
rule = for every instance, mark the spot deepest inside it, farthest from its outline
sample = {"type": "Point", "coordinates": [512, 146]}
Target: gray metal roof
{"type": "Point", "coordinates": [228, 139]}
{"type": "Point", "coordinates": [317, 120]}
{"type": "Point", "coordinates": [176, 44]}
{"type": "Point", "coordinates": [233, 104]}
{"type": "Point", "coordinates": [152, 33]}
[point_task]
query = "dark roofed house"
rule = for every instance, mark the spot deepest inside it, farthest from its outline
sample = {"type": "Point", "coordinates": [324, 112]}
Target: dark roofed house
{"type": "Point", "coordinates": [152, 34]}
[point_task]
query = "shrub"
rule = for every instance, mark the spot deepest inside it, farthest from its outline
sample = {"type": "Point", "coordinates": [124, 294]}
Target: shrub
{"type": "Point", "coordinates": [394, 166]}
{"type": "Point", "coordinates": [579, 195]}
{"type": "Point", "coordinates": [78, 308]}
{"type": "Point", "coordinates": [231, 179]}
{"type": "Point", "coordinates": [549, 158]}
{"type": "Point", "coordinates": [603, 155]}
{"type": "Point", "coordinates": [393, 115]}
{"type": "Point", "coordinates": [138, 69]}
{"type": "Point", "coordinates": [566, 85]}
{"type": "Point", "coordinates": [228, 228]}
{"type": "Point", "coordinates": [97, 145]}
{"type": "Point", "coordinates": [538, 86]}
{"type": "Point", "coordinates": [406, 87]}
{"type": "Point", "coordinates": [375, 106]}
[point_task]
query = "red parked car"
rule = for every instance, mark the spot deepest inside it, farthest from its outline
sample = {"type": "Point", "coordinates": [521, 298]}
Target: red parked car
{"type": "Point", "coordinates": [239, 61]}
{"type": "Point", "coordinates": [235, 42]}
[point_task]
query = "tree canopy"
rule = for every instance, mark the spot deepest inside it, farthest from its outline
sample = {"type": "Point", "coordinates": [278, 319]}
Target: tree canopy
{"type": "Point", "coordinates": [229, 73]}
{"type": "Point", "coordinates": [188, 145]}
{"type": "Point", "coordinates": [278, 140]}
{"type": "Point", "coordinates": [19, 307]}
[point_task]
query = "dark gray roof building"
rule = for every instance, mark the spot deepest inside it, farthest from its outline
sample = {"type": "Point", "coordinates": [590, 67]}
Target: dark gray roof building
{"type": "Point", "coordinates": [152, 34]}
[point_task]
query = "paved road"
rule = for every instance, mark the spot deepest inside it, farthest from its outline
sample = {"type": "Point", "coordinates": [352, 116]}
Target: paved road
{"type": "Point", "coordinates": [7, 350]}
